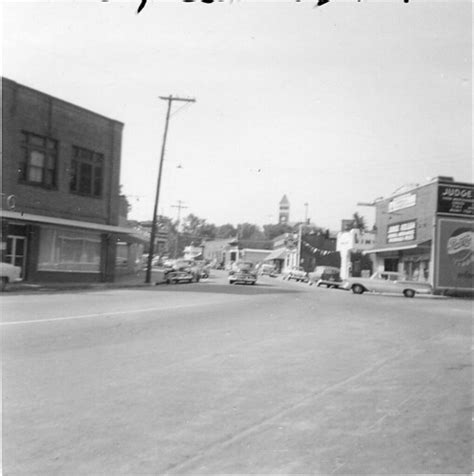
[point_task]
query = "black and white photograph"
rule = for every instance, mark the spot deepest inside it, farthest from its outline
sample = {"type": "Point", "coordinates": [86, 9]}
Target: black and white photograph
{"type": "Point", "coordinates": [237, 237]}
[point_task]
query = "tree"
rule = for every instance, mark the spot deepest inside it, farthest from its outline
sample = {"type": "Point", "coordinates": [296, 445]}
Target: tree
{"type": "Point", "coordinates": [196, 229]}
{"type": "Point", "coordinates": [226, 231]}
{"type": "Point", "coordinates": [272, 231]}
{"type": "Point", "coordinates": [207, 231]}
{"type": "Point", "coordinates": [249, 231]}
{"type": "Point", "coordinates": [359, 222]}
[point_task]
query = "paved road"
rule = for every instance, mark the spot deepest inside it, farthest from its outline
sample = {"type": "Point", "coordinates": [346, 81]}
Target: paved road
{"type": "Point", "coordinates": [210, 378]}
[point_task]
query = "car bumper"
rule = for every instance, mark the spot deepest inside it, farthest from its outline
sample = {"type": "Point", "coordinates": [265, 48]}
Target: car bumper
{"type": "Point", "coordinates": [242, 279]}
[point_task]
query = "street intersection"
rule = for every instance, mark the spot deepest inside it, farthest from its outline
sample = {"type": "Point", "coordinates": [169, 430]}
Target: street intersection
{"type": "Point", "coordinates": [213, 378]}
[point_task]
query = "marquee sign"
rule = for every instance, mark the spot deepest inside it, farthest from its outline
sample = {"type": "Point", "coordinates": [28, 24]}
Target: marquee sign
{"type": "Point", "coordinates": [400, 232]}
{"type": "Point", "coordinates": [402, 201]}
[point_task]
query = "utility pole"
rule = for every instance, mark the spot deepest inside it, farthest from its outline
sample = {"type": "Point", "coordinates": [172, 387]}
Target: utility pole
{"type": "Point", "coordinates": [306, 213]}
{"type": "Point", "coordinates": [179, 207]}
{"type": "Point", "coordinates": [298, 249]}
{"type": "Point", "coordinates": [170, 100]}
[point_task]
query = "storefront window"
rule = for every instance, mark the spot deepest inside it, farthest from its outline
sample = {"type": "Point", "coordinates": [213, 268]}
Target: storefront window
{"type": "Point", "coordinates": [69, 251]}
{"type": "Point", "coordinates": [417, 270]}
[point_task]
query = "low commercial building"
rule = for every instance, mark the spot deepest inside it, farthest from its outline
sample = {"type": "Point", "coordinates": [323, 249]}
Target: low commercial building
{"type": "Point", "coordinates": [61, 199]}
{"type": "Point", "coordinates": [224, 252]}
{"type": "Point", "coordinates": [426, 232]}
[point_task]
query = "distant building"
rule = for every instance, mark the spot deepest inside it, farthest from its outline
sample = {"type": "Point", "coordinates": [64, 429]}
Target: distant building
{"type": "Point", "coordinates": [347, 224]}
{"type": "Point", "coordinates": [193, 252]}
{"type": "Point", "coordinates": [284, 254]}
{"type": "Point", "coordinates": [284, 210]}
{"type": "Point", "coordinates": [426, 232]}
{"type": "Point", "coordinates": [350, 244]}
{"type": "Point", "coordinates": [61, 202]}
{"type": "Point", "coordinates": [225, 252]}
{"type": "Point", "coordinates": [162, 237]}
{"type": "Point", "coordinates": [318, 249]}
{"type": "Point", "coordinates": [215, 251]}
{"type": "Point", "coordinates": [311, 249]}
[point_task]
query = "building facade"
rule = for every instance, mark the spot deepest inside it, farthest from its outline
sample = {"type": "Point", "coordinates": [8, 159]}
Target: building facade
{"type": "Point", "coordinates": [307, 249]}
{"type": "Point", "coordinates": [426, 233]}
{"type": "Point", "coordinates": [224, 253]}
{"type": "Point", "coordinates": [60, 197]}
{"type": "Point", "coordinates": [351, 244]}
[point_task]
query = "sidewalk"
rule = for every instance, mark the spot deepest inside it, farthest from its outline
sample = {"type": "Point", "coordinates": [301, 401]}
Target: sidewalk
{"type": "Point", "coordinates": [124, 281]}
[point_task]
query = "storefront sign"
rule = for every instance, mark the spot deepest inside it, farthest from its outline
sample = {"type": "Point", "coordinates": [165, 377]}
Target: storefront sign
{"type": "Point", "coordinates": [455, 199]}
{"type": "Point", "coordinates": [401, 232]}
{"type": "Point", "coordinates": [454, 265]}
{"type": "Point", "coordinates": [403, 201]}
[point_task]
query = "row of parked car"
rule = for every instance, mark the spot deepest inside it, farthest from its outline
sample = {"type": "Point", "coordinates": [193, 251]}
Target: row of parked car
{"type": "Point", "coordinates": [321, 276]}
{"type": "Point", "coordinates": [381, 281]}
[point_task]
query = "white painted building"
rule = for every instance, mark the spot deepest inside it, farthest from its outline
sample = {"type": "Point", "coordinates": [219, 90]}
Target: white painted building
{"type": "Point", "coordinates": [351, 241]}
{"type": "Point", "coordinates": [193, 252]}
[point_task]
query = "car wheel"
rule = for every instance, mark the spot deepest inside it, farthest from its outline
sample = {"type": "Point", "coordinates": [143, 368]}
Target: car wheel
{"type": "Point", "coordinates": [409, 293]}
{"type": "Point", "coordinates": [253, 282]}
{"type": "Point", "coordinates": [4, 283]}
{"type": "Point", "coordinates": [357, 289]}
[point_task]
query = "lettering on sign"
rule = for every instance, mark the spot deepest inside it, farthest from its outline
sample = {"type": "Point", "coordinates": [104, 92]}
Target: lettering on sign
{"type": "Point", "coordinates": [403, 201]}
{"type": "Point", "coordinates": [454, 199]}
{"type": "Point", "coordinates": [400, 232]}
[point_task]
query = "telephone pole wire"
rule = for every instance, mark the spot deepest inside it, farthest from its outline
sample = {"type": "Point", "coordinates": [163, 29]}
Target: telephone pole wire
{"type": "Point", "coordinates": [170, 100]}
{"type": "Point", "coordinates": [179, 206]}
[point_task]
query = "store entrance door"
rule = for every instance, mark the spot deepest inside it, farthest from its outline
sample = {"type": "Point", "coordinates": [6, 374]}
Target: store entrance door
{"type": "Point", "coordinates": [390, 264]}
{"type": "Point", "coordinates": [16, 252]}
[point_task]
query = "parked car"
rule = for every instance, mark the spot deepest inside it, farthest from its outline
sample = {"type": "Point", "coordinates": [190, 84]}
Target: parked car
{"type": "Point", "coordinates": [204, 269]}
{"type": "Point", "coordinates": [267, 270]}
{"type": "Point", "coordinates": [296, 273]}
{"type": "Point", "coordinates": [325, 276]}
{"type": "Point", "coordinates": [188, 266]}
{"type": "Point", "coordinates": [243, 272]}
{"type": "Point", "coordinates": [389, 282]}
{"type": "Point", "coordinates": [182, 276]}
{"type": "Point", "coordinates": [9, 274]}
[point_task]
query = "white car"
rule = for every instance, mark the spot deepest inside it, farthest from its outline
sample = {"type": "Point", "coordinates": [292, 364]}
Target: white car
{"type": "Point", "coordinates": [9, 274]}
{"type": "Point", "coordinates": [297, 273]}
{"type": "Point", "coordinates": [387, 282]}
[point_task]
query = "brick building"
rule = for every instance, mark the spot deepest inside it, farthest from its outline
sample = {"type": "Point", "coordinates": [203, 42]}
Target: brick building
{"type": "Point", "coordinates": [426, 232]}
{"type": "Point", "coordinates": [60, 188]}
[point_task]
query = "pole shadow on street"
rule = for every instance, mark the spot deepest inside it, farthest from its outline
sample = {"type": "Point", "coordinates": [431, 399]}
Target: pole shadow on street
{"type": "Point", "coordinates": [242, 289]}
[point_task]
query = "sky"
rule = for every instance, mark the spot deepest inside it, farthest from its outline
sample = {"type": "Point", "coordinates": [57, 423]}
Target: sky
{"type": "Point", "coordinates": [332, 106]}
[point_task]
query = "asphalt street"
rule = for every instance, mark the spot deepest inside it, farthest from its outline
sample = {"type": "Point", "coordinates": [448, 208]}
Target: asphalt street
{"type": "Point", "coordinates": [212, 378]}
